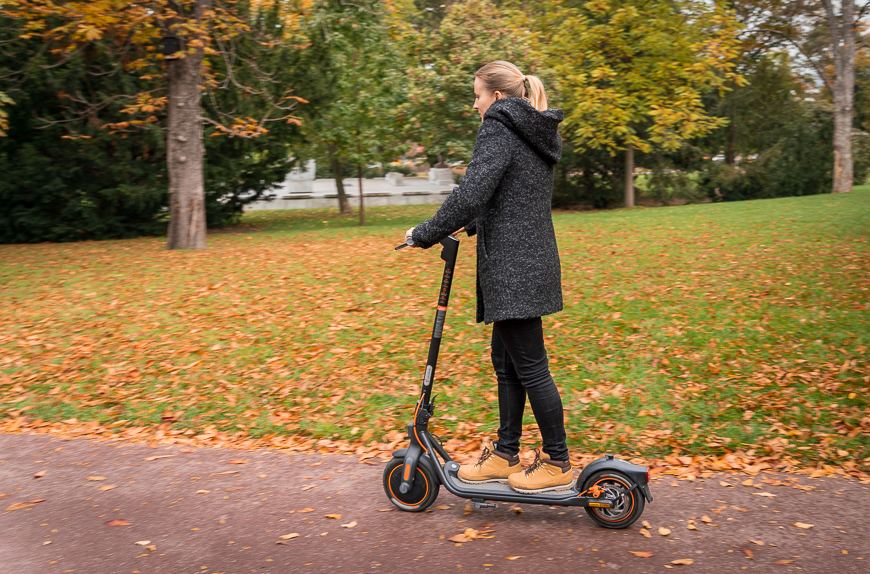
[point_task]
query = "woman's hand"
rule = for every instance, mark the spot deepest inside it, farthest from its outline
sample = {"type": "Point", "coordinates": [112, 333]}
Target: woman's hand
{"type": "Point", "coordinates": [460, 230]}
{"type": "Point", "coordinates": [408, 234]}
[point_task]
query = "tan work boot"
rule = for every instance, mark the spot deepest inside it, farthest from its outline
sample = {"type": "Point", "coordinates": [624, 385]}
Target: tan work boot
{"type": "Point", "coordinates": [493, 466]}
{"type": "Point", "coordinates": [543, 475]}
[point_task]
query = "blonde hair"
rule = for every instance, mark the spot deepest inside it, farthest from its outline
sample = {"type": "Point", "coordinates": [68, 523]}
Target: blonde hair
{"type": "Point", "coordinates": [504, 77]}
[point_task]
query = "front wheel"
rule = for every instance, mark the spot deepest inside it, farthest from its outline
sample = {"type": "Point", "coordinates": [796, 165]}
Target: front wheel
{"type": "Point", "coordinates": [627, 504]}
{"type": "Point", "coordinates": [423, 492]}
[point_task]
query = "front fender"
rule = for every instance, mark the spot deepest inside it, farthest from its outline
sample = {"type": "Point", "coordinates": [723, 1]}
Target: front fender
{"type": "Point", "coordinates": [423, 459]}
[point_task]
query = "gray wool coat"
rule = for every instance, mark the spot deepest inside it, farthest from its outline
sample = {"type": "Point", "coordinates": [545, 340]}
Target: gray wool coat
{"type": "Point", "coordinates": [505, 199]}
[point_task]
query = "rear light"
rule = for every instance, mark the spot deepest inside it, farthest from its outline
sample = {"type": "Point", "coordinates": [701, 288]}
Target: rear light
{"type": "Point", "coordinates": [647, 475]}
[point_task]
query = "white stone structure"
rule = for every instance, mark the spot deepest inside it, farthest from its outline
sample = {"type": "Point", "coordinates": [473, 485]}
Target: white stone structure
{"type": "Point", "coordinates": [300, 182]}
{"type": "Point", "coordinates": [441, 175]}
{"type": "Point", "coordinates": [378, 191]}
{"type": "Point", "coordinates": [395, 178]}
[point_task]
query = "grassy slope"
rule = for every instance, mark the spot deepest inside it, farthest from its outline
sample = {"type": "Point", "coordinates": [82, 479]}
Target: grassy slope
{"type": "Point", "coordinates": [695, 329]}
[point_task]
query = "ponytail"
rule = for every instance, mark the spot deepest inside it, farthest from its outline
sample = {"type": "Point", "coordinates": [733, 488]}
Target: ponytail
{"type": "Point", "coordinates": [538, 96]}
{"type": "Point", "coordinates": [505, 77]}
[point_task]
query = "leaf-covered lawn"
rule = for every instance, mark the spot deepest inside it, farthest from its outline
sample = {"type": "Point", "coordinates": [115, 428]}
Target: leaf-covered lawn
{"type": "Point", "coordinates": [736, 331]}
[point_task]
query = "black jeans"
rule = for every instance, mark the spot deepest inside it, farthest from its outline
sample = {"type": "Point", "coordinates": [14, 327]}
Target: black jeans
{"type": "Point", "coordinates": [521, 367]}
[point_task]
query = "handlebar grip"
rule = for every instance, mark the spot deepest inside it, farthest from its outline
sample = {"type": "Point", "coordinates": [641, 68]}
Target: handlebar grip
{"type": "Point", "coordinates": [408, 241]}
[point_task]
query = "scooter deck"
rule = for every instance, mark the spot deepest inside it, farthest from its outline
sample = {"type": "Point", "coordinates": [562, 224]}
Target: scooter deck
{"type": "Point", "coordinates": [498, 488]}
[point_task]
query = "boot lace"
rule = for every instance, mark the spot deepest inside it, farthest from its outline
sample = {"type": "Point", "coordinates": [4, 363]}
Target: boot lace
{"type": "Point", "coordinates": [484, 456]}
{"type": "Point", "coordinates": [538, 463]}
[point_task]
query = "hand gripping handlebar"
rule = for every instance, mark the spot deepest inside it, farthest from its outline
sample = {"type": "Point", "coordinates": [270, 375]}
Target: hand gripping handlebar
{"type": "Point", "coordinates": [408, 241]}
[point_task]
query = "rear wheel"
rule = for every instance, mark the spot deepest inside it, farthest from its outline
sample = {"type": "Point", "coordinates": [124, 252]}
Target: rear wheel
{"type": "Point", "coordinates": [423, 492]}
{"type": "Point", "coordinates": [626, 504]}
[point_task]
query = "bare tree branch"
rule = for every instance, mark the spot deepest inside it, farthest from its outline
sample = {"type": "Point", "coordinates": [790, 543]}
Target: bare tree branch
{"type": "Point", "coordinates": [820, 71]}
{"type": "Point", "coordinates": [834, 31]}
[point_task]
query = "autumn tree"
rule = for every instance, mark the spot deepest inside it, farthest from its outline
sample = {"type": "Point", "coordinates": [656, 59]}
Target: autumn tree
{"type": "Point", "coordinates": [356, 121]}
{"type": "Point", "coordinates": [826, 34]}
{"type": "Point", "coordinates": [4, 123]}
{"type": "Point", "coordinates": [180, 51]}
{"type": "Point", "coordinates": [446, 46]}
{"type": "Point", "coordinates": [632, 74]}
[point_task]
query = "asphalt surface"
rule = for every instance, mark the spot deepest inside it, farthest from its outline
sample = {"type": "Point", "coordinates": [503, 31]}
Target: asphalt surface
{"type": "Point", "coordinates": [193, 511]}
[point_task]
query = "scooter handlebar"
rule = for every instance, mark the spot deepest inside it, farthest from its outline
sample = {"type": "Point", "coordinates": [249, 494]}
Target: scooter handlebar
{"type": "Point", "coordinates": [408, 241]}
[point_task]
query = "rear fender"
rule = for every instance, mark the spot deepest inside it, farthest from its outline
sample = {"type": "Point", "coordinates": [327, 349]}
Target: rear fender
{"type": "Point", "coordinates": [634, 472]}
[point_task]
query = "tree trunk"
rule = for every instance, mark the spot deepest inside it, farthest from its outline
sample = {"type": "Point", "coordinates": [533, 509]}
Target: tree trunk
{"type": "Point", "coordinates": [362, 212]}
{"type": "Point", "coordinates": [629, 176]}
{"type": "Point", "coordinates": [843, 163]}
{"type": "Point", "coordinates": [335, 165]}
{"type": "Point", "coordinates": [184, 149]}
{"type": "Point", "coordinates": [729, 149]}
{"type": "Point", "coordinates": [843, 46]}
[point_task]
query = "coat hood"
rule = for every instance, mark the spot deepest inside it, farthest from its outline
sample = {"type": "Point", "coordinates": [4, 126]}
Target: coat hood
{"type": "Point", "coordinates": [538, 129]}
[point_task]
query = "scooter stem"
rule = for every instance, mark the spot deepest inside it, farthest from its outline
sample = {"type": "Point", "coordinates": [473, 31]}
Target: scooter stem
{"type": "Point", "coordinates": [448, 254]}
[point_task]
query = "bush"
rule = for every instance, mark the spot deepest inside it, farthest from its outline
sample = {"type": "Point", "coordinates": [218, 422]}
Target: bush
{"type": "Point", "coordinates": [371, 172]}
{"type": "Point", "coordinates": [666, 186]}
{"type": "Point", "coordinates": [403, 169]}
{"type": "Point", "coordinates": [799, 163]}
{"type": "Point", "coordinates": [589, 178]}
{"type": "Point", "coordinates": [109, 186]}
{"type": "Point", "coordinates": [861, 157]}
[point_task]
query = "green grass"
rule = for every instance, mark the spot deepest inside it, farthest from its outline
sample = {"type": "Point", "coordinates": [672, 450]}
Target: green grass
{"type": "Point", "coordinates": [700, 329]}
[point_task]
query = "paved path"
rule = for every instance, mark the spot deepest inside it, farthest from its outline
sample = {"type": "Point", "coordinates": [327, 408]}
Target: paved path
{"type": "Point", "coordinates": [192, 511]}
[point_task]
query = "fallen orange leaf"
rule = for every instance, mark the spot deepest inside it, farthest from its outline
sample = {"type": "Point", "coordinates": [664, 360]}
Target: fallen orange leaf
{"type": "Point", "coordinates": [25, 504]}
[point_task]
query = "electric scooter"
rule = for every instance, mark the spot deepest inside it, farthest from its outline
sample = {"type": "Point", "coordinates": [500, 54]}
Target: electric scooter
{"type": "Point", "coordinates": [613, 491]}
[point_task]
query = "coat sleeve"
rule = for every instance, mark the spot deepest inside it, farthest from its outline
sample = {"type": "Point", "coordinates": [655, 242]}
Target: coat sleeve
{"type": "Point", "coordinates": [489, 161]}
{"type": "Point", "coordinates": [471, 227]}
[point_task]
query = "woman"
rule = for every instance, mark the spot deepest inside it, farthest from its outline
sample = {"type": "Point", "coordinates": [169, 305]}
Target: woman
{"type": "Point", "coordinates": [505, 199]}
